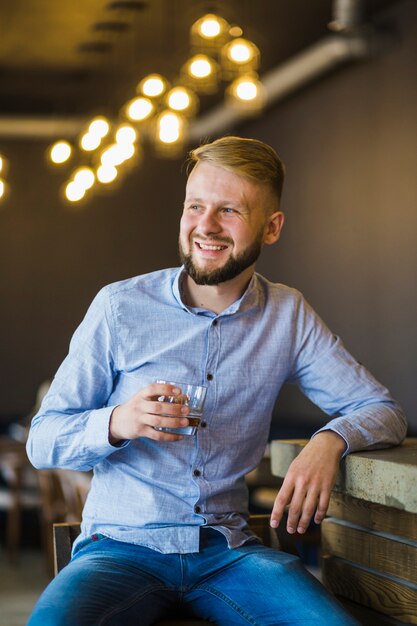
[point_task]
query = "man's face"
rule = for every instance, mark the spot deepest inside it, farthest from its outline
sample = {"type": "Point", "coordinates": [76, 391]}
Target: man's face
{"type": "Point", "coordinates": [223, 225]}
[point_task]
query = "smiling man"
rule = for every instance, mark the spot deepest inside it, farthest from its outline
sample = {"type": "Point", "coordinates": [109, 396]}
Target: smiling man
{"type": "Point", "coordinates": [165, 524]}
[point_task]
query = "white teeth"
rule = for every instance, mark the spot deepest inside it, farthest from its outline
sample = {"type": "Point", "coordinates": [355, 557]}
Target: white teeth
{"type": "Point", "coordinates": [206, 247]}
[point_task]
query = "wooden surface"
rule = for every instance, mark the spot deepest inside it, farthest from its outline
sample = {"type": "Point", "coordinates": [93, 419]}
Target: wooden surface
{"type": "Point", "coordinates": [385, 594]}
{"type": "Point", "coordinates": [369, 540]}
{"type": "Point", "coordinates": [389, 554]}
{"type": "Point", "coordinates": [372, 515]}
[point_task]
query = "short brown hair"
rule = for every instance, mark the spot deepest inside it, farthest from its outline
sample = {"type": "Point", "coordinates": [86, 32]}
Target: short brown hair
{"type": "Point", "coordinates": [245, 157]}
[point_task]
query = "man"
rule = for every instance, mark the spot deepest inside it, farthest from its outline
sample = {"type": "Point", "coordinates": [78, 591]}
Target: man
{"type": "Point", "coordinates": [165, 523]}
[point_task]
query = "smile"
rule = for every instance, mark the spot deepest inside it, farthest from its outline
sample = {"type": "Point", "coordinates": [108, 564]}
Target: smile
{"type": "Point", "coordinates": [204, 246]}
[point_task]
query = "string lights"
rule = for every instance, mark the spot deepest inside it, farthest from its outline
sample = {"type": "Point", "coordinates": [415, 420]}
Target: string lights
{"type": "Point", "coordinates": [161, 110]}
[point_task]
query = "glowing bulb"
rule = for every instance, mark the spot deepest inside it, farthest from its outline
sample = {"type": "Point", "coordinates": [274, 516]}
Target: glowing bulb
{"type": "Point", "coordinates": [200, 67]}
{"type": "Point", "coordinates": [2, 188]}
{"type": "Point", "coordinates": [209, 27]}
{"type": "Point", "coordinates": [84, 177]}
{"type": "Point", "coordinates": [240, 52]}
{"type": "Point", "coordinates": [90, 142]}
{"type": "Point", "coordinates": [153, 85]}
{"type": "Point", "coordinates": [139, 109]}
{"type": "Point", "coordinates": [112, 156]}
{"type": "Point", "coordinates": [74, 192]}
{"type": "Point", "coordinates": [60, 152]}
{"type": "Point", "coordinates": [246, 90]}
{"type": "Point", "coordinates": [169, 128]}
{"type": "Point", "coordinates": [178, 99]}
{"type": "Point", "coordinates": [99, 127]}
{"type": "Point", "coordinates": [106, 174]}
{"type": "Point", "coordinates": [126, 134]}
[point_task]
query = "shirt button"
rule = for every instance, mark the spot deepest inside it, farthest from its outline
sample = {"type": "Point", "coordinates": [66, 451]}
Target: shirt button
{"type": "Point", "coordinates": [209, 376]}
{"type": "Point", "coordinates": [197, 472]}
{"type": "Point", "coordinates": [214, 322]}
{"type": "Point", "coordinates": [203, 424]}
{"type": "Point", "coordinates": [197, 509]}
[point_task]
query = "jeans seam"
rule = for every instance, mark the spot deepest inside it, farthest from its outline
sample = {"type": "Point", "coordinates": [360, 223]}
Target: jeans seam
{"type": "Point", "coordinates": [230, 603]}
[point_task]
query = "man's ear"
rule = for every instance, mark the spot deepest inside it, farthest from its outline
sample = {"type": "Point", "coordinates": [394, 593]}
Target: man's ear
{"type": "Point", "coordinates": [273, 227]}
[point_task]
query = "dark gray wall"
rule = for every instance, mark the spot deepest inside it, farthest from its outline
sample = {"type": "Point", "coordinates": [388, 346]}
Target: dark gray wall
{"type": "Point", "coordinates": [349, 143]}
{"type": "Point", "coordinates": [349, 243]}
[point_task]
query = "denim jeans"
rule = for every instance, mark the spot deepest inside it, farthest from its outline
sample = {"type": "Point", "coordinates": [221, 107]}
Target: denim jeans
{"type": "Point", "coordinates": [119, 584]}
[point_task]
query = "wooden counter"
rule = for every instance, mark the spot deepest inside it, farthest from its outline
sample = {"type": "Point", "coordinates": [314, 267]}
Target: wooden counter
{"type": "Point", "coordinates": [369, 540]}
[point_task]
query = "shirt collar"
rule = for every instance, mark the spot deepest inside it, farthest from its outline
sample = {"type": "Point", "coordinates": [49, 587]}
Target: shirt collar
{"type": "Point", "coordinates": [251, 297]}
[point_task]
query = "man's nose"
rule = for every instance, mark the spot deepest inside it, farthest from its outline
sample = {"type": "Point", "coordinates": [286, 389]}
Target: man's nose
{"type": "Point", "coordinates": [209, 223]}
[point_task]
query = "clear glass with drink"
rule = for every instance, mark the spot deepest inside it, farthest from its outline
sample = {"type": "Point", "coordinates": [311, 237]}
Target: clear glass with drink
{"type": "Point", "coordinates": [192, 396]}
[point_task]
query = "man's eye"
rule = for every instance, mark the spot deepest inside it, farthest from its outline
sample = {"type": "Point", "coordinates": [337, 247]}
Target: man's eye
{"type": "Point", "coordinates": [228, 210]}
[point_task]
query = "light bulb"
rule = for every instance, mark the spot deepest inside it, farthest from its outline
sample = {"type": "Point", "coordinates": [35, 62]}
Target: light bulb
{"type": "Point", "coordinates": [106, 174]}
{"type": "Point", "coordinates": [153, 85]}
{"type": "Point", "coordinates": [169, 127]}
{"type": "Point", "coordinates": [210, 30]}
{"type": "Point", "coordinates": [2, 188]}
{"type": "Point", "coordinates": [139, 109]}
{"type": "Point", "coordinates": [240, 52]}
{"type": "Point", "coordinates": [99, 127]}
{"type": "Point", "coordinates": [210, 26]}
{"type": "Point", "coordinates": [179, 99]}
{"type": "Point", "coordinates": [246, 94]}
{"type": "Point", "coordinates": [90, 142]}
{"type": "Point", "coordinates": [74, 192]}
{"type": "Point", "coordinates": [84, 177]}
{"type": "Point", "coordinates": [200, 66]}
{"type": "Point", "coordinates": [113, 155]}
{"type": "Point", "coordinates": [60, 152]}
{"type": "Point", "coordinates": [246, 90]}
{"type": "Point", "coordinates": [126, 134]}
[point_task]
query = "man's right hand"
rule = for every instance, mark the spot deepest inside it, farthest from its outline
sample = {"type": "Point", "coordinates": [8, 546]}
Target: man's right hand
{"type": "Point", "coordinates": [143, 413]}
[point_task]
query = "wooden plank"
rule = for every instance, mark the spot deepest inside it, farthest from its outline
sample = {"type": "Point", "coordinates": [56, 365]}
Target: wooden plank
{"type": "Point", "coordinates": [375, 516]}
{"type": "Point", "coordinates": [366, 616]}
{"type": "Point", "coordinates": [385, 553]}
{"type": "Point", "coordinates": [382, 593]}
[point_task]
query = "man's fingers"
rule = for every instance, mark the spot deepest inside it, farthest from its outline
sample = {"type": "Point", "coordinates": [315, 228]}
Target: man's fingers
{"type": "Point", "coordinates": [161, 421]}
{"type": "Point", "coordinates": [158, 389]}
{"type": "Point", "coordinates": [303, 505]}
{"type": "Point", "coordinates": [281, 501]}
{"type": "Point", "coordinates": [322, 507]}
{"type": "Point", "coordinates": [301, 519]}
{"type": "Point", "coordinates": [158, 435]}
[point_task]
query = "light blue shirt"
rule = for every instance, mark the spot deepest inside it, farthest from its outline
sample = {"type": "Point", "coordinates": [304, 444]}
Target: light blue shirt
{"type": "Point", "coordinates": [139, 330]}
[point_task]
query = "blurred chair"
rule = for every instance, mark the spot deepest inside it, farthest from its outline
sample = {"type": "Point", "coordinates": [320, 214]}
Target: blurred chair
{"type": "Point", "coordinates": [63, 493]}
{"type": "Point", "coordinates": [19, 491]}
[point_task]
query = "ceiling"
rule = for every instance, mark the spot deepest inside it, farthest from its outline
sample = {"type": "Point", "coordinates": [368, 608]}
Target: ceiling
{"type": "Point", "coordinates": [83, 57]}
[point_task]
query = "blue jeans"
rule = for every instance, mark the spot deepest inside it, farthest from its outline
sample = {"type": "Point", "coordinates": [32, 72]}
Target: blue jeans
{"type": "Point", "coordinates": [119, 584]}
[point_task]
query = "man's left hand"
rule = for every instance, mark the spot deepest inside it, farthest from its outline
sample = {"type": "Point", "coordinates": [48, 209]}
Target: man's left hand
{"type": "Point", "coordinates": [309, 482]}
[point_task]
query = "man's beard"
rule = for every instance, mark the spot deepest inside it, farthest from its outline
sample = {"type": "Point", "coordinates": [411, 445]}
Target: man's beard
{"type": "Point", "coordinates": [232, 268]}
